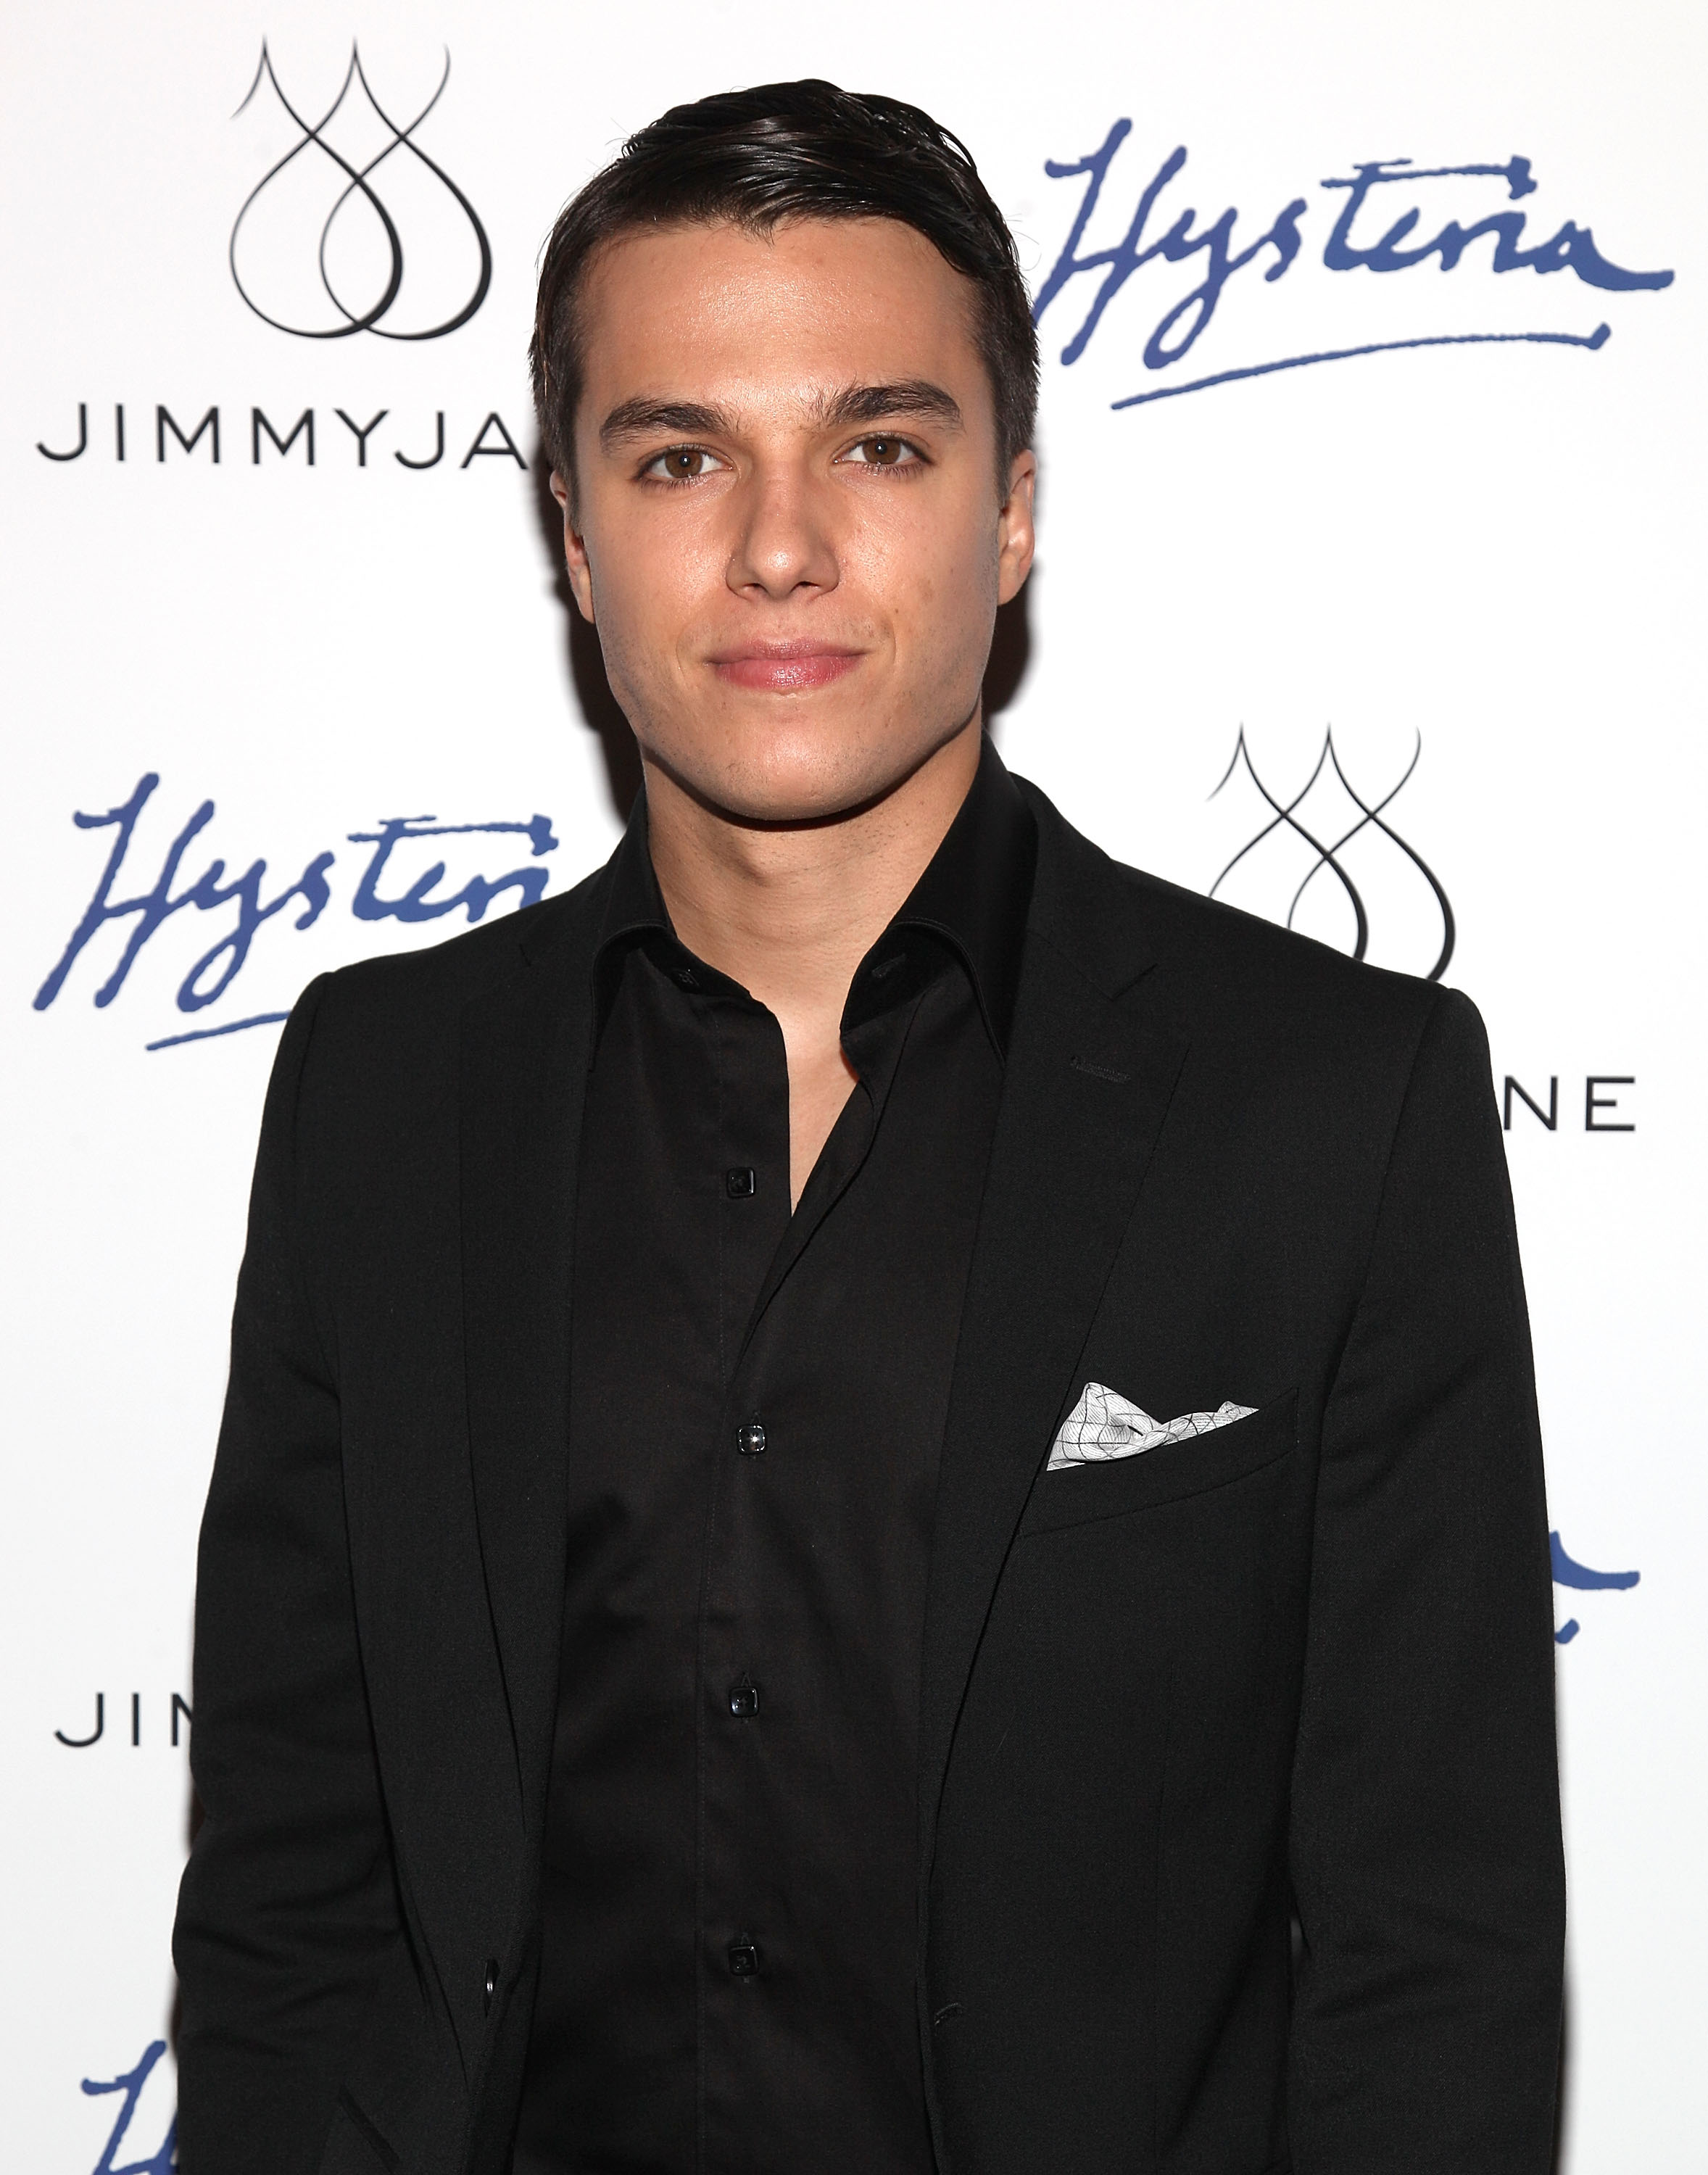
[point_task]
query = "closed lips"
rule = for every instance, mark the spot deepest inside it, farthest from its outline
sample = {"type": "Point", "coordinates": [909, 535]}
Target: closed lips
{"type": "Point", "coordinates": [788, 668]}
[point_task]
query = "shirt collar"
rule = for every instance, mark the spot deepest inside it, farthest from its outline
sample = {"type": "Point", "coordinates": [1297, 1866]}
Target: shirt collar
{"type": "Point", "coordinates": [973, 897]}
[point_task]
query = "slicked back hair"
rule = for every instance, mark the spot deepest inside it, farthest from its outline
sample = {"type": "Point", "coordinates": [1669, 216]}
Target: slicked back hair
{"type": "Point", "coordinates": [791, 150]}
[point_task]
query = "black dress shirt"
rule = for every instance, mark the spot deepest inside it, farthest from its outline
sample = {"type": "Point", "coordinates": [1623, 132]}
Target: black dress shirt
{"type": "Point", "coordinates": [729, 1908]}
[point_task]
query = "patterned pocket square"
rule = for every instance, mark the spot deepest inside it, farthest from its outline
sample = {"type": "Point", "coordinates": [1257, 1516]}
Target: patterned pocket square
{"type": "Point", "coordinates": [1104, 1425]}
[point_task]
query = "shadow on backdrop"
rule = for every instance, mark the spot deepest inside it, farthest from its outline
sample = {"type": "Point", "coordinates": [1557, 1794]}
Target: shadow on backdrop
{"type": "Point", "coordinates": [598, 705]}
{"type": "Point", "coordinates": [1561, 2113]}
{"type": "Point", "coordinates": [193, 1817]}
{"type": "Point", "coordinates": [1011, 654]}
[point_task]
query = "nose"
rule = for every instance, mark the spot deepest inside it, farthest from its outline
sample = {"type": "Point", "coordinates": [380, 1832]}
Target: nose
{"type": "Point", "coordinates": [784, 543]}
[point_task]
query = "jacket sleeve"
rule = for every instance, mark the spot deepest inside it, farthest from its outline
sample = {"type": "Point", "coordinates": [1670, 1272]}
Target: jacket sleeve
{"type": "Point", "coordinates": [1425, 1836]}
{"type": "Point", "coordinates": [288, 1904]}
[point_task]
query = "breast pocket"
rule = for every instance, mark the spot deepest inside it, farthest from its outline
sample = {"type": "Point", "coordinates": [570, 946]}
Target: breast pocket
{"type": "Point", "coordinates": [1080, 1494]}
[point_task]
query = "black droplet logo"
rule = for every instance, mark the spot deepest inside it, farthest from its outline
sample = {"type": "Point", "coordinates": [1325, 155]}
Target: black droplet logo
{"type": "Point", "coordinates": [356, 229]}
{"type": "Point", "coordinates": [1328, 831]}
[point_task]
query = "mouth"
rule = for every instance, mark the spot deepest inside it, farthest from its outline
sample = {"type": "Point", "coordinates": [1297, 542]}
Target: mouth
{"type": "Point", "coordinates": [784, 668]}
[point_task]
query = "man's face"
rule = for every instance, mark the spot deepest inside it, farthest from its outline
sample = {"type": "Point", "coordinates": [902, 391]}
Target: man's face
{"type": "Point", "coordinates": [787, 524]}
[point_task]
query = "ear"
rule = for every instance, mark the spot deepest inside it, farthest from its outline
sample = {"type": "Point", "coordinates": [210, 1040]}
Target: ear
{"type": "Point", "coordinates": [1016, 536]}
{"type": "Point", "coordinates": [575, 558]}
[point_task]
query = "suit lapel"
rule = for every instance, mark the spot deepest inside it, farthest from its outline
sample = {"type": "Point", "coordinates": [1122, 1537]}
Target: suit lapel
{"type": "Point", "coordinates": [523, 1078]}
{"type": "Point", "coordinates": [1093, 1060]}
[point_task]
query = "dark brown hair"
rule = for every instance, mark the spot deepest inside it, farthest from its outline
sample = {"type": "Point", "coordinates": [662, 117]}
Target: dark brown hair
{"type": "Point", "coordinates": [791, 151]}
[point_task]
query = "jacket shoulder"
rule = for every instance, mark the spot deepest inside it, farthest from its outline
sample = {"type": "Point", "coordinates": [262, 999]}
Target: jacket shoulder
{"type": "Point", "coordinates": [1239, 963]}
{"type": "Point", "coordinates": [374, 1048]}
{"type": "Point", "coordinates": [399, 991]}
{"type": "Point", "coordinates": [1263, 1006]}
{"type": "Point", "coordinates": [1229, 973]}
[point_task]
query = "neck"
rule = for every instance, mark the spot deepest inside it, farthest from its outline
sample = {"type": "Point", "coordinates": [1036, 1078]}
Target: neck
{"type": "Point", "coordinates": [789, 910]}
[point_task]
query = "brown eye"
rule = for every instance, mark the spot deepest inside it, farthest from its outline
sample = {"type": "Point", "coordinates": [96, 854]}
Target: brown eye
{"type": "Point", "coordinates": [884, 452]}
{"type": "Point", "coordinates": [682, 465]}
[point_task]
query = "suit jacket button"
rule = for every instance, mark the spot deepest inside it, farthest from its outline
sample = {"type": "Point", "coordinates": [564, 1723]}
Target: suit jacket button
{"type": "Point", "coordinates": [744, 1958]}
{"type": "Point", "coordinates": [750, 1438]}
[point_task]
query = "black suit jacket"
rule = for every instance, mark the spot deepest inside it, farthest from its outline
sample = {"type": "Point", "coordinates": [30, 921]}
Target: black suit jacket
{"type": "Point", "coordinates": [1301, 1667]}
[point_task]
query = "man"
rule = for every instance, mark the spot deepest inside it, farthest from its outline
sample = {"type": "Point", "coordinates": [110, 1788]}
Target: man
{"type": "Point", "coordinates": [880, 1506]}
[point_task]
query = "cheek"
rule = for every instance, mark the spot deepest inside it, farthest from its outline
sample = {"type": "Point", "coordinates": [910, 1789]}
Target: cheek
{"type": "Point", "coordinates": [645, 593]}
{"type": "Point", "coordinates": [935, 572]}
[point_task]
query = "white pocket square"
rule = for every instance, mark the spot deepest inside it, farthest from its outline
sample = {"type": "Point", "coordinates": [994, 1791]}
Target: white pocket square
{"type": "Point", "coordinates": [1104, 1425]}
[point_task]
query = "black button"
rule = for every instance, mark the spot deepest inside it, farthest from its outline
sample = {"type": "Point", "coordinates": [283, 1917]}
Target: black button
{"type": "Point", "coordinates": [491, 1984]}
{"type": "Point", "coordinates": [738, 1183]}
{"type": "Point", "coordinates": [750, 1438]}
{"type": "Point", "coordinates": [744, 1700]}
{"type": "Point", "coordinates": [744, 1958]}
{"type": "Point", "coordinates": [688, 978]}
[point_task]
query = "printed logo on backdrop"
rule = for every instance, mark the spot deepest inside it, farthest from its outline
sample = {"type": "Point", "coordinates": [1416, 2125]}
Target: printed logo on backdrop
{"type": "Point", "coordinates": [357, 229]}
{"type": "Point", "coordinates": [1329, 858]}
{"type": "Point", "coordinates": [1386, 217]}
{"type": "Point", "coordinates": [1322, 853]}
{"type": "Point", "coordinates": [142, 890]}
{"type": "Point", "coordinates": [130, 2089]}
{"type": "Point", "coordinates": [353, 228]}
{"type": "Point", "coordinates": [169, 1723]}
{"type": "Point", "coordinates": [1580, 1579]}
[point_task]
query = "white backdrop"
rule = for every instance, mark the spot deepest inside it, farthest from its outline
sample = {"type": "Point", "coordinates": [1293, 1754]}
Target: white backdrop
{"type": "Point", "coordinates": [1484, 554]}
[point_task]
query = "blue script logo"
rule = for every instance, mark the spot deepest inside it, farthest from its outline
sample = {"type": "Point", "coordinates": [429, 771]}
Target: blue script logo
{"type": "Point", "coordinates": [311, 894]}
{"type": "Point", "coordinates": [1584, 1581]}
{"type": "Point", "coordinates": [162, 2162]}
{"type": "Point", "coordinates": [1352, 246]}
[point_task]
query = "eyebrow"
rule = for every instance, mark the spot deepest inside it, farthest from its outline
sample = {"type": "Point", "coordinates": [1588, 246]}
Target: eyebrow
{"type": "Point", "coordinates": [645, 418]}
{"type": "Point", "coordinates": [870, 404]}
{"type": "Point", "coordinates": [854, 405]}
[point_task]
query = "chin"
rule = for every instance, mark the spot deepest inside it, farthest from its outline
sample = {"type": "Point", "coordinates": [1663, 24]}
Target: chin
{"type": "Point", "coordinates": [791, 771]}
{"type": "Point", "coordinates": [770, 792]}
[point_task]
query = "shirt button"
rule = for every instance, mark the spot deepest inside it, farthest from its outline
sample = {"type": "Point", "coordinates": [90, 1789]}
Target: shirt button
{"type": "Point", "coordinates": [744, 1958]}
{"type": "Point", "coordinates": [744, 1700]}
{"type": "Point", "coordinates": [750, 1438]}
{"type": "Point", "coordinates": [738, 1183]}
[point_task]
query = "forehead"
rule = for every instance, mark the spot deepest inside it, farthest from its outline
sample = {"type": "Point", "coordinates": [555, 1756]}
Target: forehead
{"type": "Point", "coordinates": [699, 311]}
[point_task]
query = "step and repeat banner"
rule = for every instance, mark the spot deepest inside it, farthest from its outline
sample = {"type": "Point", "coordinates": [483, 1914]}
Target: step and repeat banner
{"type": "Point", "coordinates": [1369, 599]}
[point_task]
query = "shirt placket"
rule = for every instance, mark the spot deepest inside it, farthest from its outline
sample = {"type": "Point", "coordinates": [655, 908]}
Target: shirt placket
{"type": "Point", "coordinates": [754, 1985]}
{"type": "Point", "coordinates": [753, 1179]}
